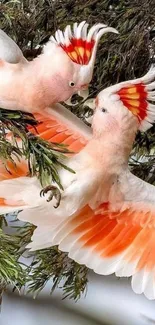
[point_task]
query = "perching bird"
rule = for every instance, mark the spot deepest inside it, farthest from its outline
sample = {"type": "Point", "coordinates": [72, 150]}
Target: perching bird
{"type": "Point", "coordinates": [106, 218]}
{"type": "Point", "coordinates": [64, 68]}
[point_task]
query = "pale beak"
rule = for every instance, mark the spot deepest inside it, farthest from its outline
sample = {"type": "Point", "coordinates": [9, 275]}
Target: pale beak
{"type": "Point", "coordinates": [84, 92]}
{"type": "Point", "coordinates": [68, 101]}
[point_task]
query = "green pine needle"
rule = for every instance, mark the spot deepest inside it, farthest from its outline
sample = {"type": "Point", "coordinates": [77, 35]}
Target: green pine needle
{"type": "Point", "coordinates": [11, 272]}
{"type": "Point", "coordinates": [52, 264]}
{"type": "Point", "coordinates": [44, 158]}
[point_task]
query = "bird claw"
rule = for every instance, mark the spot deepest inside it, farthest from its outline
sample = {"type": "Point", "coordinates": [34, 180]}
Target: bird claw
{"type": "Point", "coordinates": [55, 192]}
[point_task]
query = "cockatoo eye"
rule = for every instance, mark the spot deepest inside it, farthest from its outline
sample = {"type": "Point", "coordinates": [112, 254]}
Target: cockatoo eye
{"type": "Point", "coordinates": [104, 110]}
{"type": "Point", "coordinates": [71, 84]}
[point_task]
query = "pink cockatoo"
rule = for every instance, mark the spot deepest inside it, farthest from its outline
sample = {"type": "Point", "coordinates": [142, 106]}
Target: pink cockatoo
{"type": "Point", "coordinates": [64, 68]}
{"type": "Point", "coordinates": [106, 217]}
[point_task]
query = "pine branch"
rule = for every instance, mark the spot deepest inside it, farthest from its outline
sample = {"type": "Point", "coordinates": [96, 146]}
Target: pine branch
{"type": "Point", "coordinates": [49, 264]}
{"type": "Point", "coordinates": [11, 271]}
{"type": "Point", "coordinates": [44, 158]}
{"type": "Point", "coordinates": [52, 264]}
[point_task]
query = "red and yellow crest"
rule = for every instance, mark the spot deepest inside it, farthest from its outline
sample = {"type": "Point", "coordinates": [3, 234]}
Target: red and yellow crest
{"type": "Point", "coordinates": [134, 98]}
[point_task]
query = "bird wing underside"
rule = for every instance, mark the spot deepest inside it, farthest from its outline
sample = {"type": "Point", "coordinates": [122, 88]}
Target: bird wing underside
{"type": "Point", "coordinates": [113, 238]}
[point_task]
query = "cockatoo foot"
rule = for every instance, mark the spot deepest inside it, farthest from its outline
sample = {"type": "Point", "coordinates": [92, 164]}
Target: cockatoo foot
{"type": "Point", "coordinates": [55, 192]}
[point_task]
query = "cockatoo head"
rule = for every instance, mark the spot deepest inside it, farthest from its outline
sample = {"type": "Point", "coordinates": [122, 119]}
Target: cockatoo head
{"type": "Point", "coordinates": [110, 114]}
{"type": "Point", "coordinates": [79, 46]}
{"type": "Point", "coordinates": [126, 104]}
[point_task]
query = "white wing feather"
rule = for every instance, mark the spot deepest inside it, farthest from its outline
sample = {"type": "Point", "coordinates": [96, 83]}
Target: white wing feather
{"type": "Point", "coordinates": [9, 50]}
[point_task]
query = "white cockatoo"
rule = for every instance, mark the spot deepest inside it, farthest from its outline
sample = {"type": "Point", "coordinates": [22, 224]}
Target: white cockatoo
{"type": "Point", "coordinates": [64, 68]}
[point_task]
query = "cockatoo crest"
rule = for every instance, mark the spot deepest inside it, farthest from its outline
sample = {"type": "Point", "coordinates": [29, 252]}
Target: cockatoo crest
{"type": "Point", "coordinates": [81, 45]}
{"type": "Point", "coordinates": [138, 96]}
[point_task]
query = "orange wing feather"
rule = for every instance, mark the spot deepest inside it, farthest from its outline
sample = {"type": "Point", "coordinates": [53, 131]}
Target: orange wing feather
{"type": "Point", "coordinates": [106, 241]}
{"type": "Point", "coordinates": [58, 126]}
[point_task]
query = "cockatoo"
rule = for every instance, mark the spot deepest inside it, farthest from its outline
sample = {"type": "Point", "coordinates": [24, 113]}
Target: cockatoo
{"type": "Point", "coordinates": [64, 68]}
{"type": "Point", "coordinates": [106, 218]}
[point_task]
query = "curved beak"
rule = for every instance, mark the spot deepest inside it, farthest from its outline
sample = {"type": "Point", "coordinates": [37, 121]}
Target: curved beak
{"type": "Point", "coordinates": [84, 92]}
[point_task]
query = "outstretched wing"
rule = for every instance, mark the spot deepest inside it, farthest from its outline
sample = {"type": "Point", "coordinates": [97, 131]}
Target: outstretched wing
{"type": "Point", "coordinates": [114, 238]}
{"type": "Point", "coordinates": [137, 95]}
{"type": "Point", "coordinates": [58, 125]}
{"type": "Point", "coordinates": [9, 50]}
{"type": "Point", "coordinates": [61, 126]}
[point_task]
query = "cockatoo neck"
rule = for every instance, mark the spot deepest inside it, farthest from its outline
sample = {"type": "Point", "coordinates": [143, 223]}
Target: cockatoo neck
{"type": "Point", "coordinates": [114, 137]}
